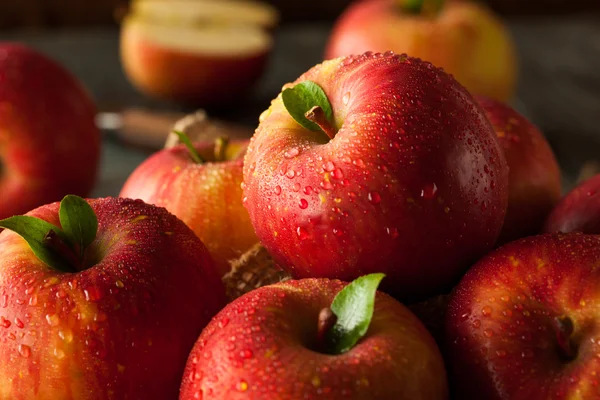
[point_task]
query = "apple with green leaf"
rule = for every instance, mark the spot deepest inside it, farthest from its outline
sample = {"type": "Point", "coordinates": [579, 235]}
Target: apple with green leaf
{"type": "Point", "coordinates": [49, 143]}
{"type": "Point", "coordinates": [523, 323]}
{"type": "Point", "coordinates": [376, 163]}
{"type": "Point", "coordinates": [315, 338]}
{"type": "Point", "coordinates": [100, 300]}
{"type": "Point", "coordinates": [463, 37]}
{"type": "Point", "coordinates": [201, 184]}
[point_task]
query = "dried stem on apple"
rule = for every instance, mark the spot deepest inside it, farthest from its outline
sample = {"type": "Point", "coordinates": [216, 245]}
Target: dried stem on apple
{"type": "Point", "coordinates": [317, 115]}
{"type": "Point", "coordinates": [60, 247]}
{"type": "Point", "coordinates": [327, 320]}
{"type": "Point", "coordinates": [221, 144]}
{"type": "Point", "coordinates": [254, 269]}
{"type": "Point", "coordinates": [564, 332]}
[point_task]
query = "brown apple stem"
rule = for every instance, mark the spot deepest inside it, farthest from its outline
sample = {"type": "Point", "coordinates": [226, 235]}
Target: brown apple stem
{"type": "Point", "coordinates": [221, 144]}
{"type": "Point", "coordinates": [317, 115]}
{"type": "Point", "coordinates": [58, 245]}
{"type": "Point", "coordinates": [327, 320]}
{"type": "Point", "coordinates": [564, 331]}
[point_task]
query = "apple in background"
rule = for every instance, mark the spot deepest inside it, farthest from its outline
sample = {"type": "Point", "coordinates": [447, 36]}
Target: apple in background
{"type": "Point", "coordinates": [49, 142]}
{"type": "Point", "coordinates": [205, 53]}
{"type": "Point", "coordinates": [578, 211]}
{"type": "Point", "coordinates": [271, 343]}
{"type": "Point", "coordinates": [464, 38]}
{"type": "Point", "coordinates": [412, 183]}
{"type": "Point", "coordinates": [534, 185]}
{"type": "Point", "coordinates": [522, 324]}
{"type": "Point", "coordinates": [116, 322]}
{"type": "Point", "coordinates": [206, 195]}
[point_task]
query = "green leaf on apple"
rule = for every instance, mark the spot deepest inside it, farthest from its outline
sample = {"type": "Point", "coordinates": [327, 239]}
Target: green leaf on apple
{"type": "Point", "coordinates": [302, 98]}
{"type": "Point", "coordinates": [190, 147]}
{"type": "Point", "coordinates": [353, 306]}
{"type": "Point", "coordinates": [78, 221]}
{"type": "Point", "coordinates": [429, 7]}
{"type": "Point", "coordinates": [36, 233]}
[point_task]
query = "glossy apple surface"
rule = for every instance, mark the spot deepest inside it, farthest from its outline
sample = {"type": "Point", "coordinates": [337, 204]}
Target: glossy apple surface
{"type": "Point", "coordinates": [122, 328]}
{"type": "Point", "coordinates": [465, 38]}
{"type": "Point", "coordinates": [414, 183]}
{"type": "Point", "coordinates": [263, 346]}
{"type": "Point", "coordinates": [534, 185]}
{"type": "Point", "coordinates": [522, 324]}
{"type": "Point", "coordinates": [207, 197]}
{"type": "Point", "coordinates": [578, 211]}
{"type": "Point", "coordinates": [50, 146]}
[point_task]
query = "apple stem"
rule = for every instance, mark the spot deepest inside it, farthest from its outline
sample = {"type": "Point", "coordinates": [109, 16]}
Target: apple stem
{"type": "Point", "coordinates": [221, 144]}
{"type": "Point", "coordinates": [58, 245]}
{"type": "Point", "coordinates": [190, 147]}
{"type": "Point", "coordinates": [327, 320]}
{"type": "Point", "coordinates": [422, 7]}
{"type": "Point", "coordinates": [317, 115]}
{"type": "Point", "coordinates": [564, 331]}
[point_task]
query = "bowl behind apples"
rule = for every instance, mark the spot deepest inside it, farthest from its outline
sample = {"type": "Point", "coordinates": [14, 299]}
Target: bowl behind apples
{"type": "Point", "coordinates": [50, 146]}
{"type": "Point", "coordinates": [463, 37]}
{"type": "Point", "coordinates": [409, 179]}
{"type": "Point", "coordinates": [205, 52]}
{"type": "Point", "coordinates": [112, 319]}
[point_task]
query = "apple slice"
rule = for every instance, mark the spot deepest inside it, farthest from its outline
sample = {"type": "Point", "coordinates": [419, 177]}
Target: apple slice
{"type": "Point", "coordinates": [199, 12]}
{"type": "Point", "coordinates": [206, 65]}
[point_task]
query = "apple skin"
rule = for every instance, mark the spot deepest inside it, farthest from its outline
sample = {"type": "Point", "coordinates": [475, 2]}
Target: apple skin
{"type": "Point", "coordinates": [202, 80]}
{"type": "Point", "coordinates": [501, 338]}
{"type": "Point", "coordinates": [578, 211]}
{"type": "Point", "coordinates": [207, 197]}
{"type": "Point", "coordinates": [413, 185]}
{"type": "Point", "coordinates": [534, 182]}
{"type": "Point", "coordinates": [465, 39]}
{"type": "Point", "coordinates": [261, 346]}
{"type": "Point", "coordinates": [50, 146]}
{"type": "Point", "coordinates": [120, 329]}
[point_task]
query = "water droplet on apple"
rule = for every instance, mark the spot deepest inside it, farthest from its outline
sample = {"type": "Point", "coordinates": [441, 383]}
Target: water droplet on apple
{"type": "Point", "coordinates": [66, 335]}
{"type": "Point", "coordinates": [290, 173]}
{"type": "Point", "coordinates": [326, 185]}
{"type": "Point", "coordinates": [346, 98]}
{"type": "Point", "coordinates": [4, 322]}
{"type": "Point", "coordinates": [329, 166]}
{"type": "Point", "coordinates": [374, 197]}
{"type": "Point", "coordinates": [242, 386]}
{"type": "Point", "coordinates": [392, 232]}
{"type": "Point", "coordinates": [52, 319]}
{"type": "Point", "coordinates": [487, 311]}
{"type": "Point", "coordinates": [296, 187]}
{"type": "Point", "coordinates": [247, 354]}
{"type": "Point", "coordinates": [223, 322]}
{"type": "Point", "coordinates": [488, 333]}
{"type": "Point", "coordinates": [429, 191]}
{"type": "Point", "coordinates": [476, 324]}
{"type": "Point", "coordinates": [338, 232]}
{"type": "Point", "coordinates": [291, 153]}
{"type": "Point", "coordinates": [277, 190]}
{"type": "Point", "coordinates": [19, 323]}
{"type": "Point", "coordinates": [302, 233]}
{"type": "Point", "coordinates": [4, 301]}
{"type": "Point", "coordinates": [337, 174]}
{"type": "Point", "coordinates": [24, 350]}
{"type": "Point", "coordinates": [58, 353]}
{"type": "Point", "coordinates": [303, 204]}
{"type": "Point", "coordinates": [308, 190]}
{"type": "Point", "coordinates": [527, 353]}
{"type": "Point", "coordinates": [483, 206]}
{"type": "Point", "coordinates": [359, 163]}
{"type": "Point", "coordinates": [501, 353]}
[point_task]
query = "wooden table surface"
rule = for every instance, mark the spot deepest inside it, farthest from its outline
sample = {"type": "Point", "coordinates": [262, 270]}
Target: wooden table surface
{"type": "Point", "coordinates": [559, 86]}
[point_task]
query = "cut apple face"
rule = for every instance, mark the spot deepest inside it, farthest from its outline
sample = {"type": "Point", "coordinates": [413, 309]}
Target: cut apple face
{"type": "Point", "coordinates": [210, 39]}
{"type": "Point", "coordinates": [202, 12]}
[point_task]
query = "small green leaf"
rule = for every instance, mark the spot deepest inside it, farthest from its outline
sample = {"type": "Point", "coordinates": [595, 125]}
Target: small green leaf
{"type": "Point", "coordinates": [35, 231]}
{"type": "Point", "coordinates": [191, 149]}
{"type": "Point", "coordinates": [427, 7]}
{"type": "Point", "coordinates": [78, 221]}
{"type": "Point", "coordinates": [302, 98]}
{"type": "Point", "coordinates": [353, 307]}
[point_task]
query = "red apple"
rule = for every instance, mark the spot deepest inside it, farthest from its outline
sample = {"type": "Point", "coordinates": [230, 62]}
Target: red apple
{"type": "Point", "coordinates": [116, 322]}
{"type": "Point", "coordinates": [267, 345]}
{"type": "Point", "coordinates": [413, 182]}
{"type": "Point", "coordinates": [49, 144]}
{"type": "Point", "coordinates": [464, 38]}
{"type": "Point", "coordinates": [578, 211]}
{"type": "Point", "coordinates": [522, 324]}
{"type": "Point", "coordinates": [204, 53]}
{"type": "Point", "coordinates": [534, 185]}
{"type": "Point", "coordinates": [206, 196]}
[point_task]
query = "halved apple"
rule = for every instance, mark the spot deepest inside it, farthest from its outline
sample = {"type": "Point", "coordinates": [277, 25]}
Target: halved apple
{"type": "Point", "coordinates": [202, 53]}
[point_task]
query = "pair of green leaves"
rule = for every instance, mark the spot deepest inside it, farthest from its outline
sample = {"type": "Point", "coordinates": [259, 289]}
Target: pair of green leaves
{"type": "Point", "coordinates": [79, 229]}
{"type": "Point", "coordinates": [353, 306]}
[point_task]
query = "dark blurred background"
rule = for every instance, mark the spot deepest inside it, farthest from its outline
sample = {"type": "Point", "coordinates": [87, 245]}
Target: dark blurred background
{"type": "Point", "coordinates": [558, 43]}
